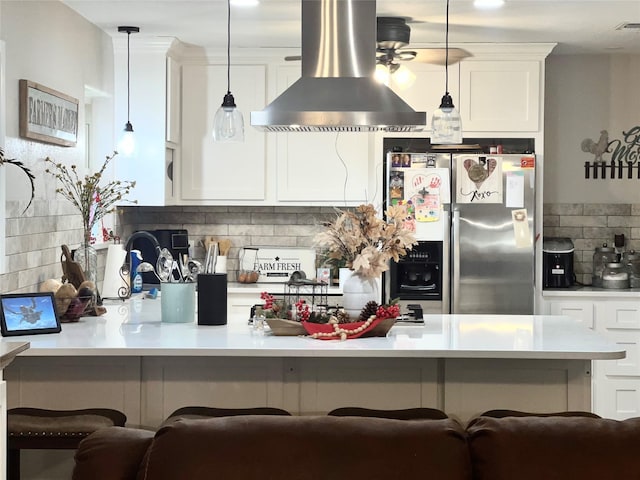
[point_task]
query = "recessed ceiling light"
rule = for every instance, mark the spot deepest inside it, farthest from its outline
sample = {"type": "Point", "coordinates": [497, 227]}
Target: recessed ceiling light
{"type": "Point", "coordinates": [244, 3]}
{"type": "Point", "coordinates": [488, 3]}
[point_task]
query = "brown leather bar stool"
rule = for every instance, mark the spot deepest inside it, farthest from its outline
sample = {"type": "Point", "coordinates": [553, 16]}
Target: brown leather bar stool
{"type": "Point", "coordinates": [36, 428]}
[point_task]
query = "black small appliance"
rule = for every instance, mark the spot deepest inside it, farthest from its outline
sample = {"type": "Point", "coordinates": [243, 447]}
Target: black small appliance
{"type": "Point", "coordinates": [557, 262]}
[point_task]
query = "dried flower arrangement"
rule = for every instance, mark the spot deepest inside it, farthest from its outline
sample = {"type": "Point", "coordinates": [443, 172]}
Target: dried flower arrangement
{"type": "Point", "coordinates": [92, 200]}
{"type": "Point", "coordinates": [366, 242]}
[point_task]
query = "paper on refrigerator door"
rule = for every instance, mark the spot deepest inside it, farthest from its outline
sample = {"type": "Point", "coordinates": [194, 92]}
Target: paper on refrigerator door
{"type": "Point", "coordinates": [432, 180]}
{"type": "Point", "coordinates": [521, 231]}
{"type": "Point", "coordinates": [514, 195]}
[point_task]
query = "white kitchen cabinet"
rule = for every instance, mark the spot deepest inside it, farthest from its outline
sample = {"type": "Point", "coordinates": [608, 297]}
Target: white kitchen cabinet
{"type": "Point", "coordinates": [581, 310]}
{"type": "Point", "coordinates": [616, 391]}
{"type": "Point", "coordinates": [148, 115]}
{"type": "Point", "coordinates": [500, 95]}
{"type": "Point", "coordinates": [173, 104]}
{"type": "Point", "coordinates": [616, 315]}
{"type": "Point", "coordinates": [425, 94]}
{"type": "Point", "coordinates": [213, 171]}
{"type": "Point", "coordinates": [320, 167]}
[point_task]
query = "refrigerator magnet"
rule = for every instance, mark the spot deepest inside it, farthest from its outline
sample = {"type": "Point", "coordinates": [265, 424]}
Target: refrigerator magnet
{"type": "Point", "coordinates": [521, 230]}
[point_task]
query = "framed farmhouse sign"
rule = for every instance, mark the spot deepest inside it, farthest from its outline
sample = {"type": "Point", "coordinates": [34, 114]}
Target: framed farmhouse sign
{"type": "Point", "coordinates": [47, 115]}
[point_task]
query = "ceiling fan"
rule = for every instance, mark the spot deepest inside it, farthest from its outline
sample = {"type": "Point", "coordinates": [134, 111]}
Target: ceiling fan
{"type": "Point", "coordinates": [393, 34]}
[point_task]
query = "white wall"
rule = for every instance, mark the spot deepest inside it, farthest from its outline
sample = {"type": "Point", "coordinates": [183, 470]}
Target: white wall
{"type": "Point", "coordinates": [584, 95]}
{"type": "Point", "coordinates": [48, 43]}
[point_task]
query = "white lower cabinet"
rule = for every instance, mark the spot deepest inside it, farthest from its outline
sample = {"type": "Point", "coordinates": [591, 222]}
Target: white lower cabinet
{"type": "Point", "coordinates": [616, 383]}
{"type": "Point", "coordinates": [581, 310]}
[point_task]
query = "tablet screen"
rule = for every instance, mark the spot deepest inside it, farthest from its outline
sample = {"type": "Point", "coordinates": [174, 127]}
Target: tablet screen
{"type": "Point", "coordinates": [28, 314]}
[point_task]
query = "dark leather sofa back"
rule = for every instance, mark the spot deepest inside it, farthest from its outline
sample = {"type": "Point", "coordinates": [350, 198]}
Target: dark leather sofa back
{"type": "Point", "coordinates": [554, 448]}
{"type": "Point", "coordinates": [261, 447]}
{"type": "Point", "coordinates": [509, 446]}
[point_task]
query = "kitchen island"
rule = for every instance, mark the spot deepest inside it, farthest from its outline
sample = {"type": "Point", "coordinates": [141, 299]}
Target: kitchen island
{"type": "Point", "coordinates": [463, 364]}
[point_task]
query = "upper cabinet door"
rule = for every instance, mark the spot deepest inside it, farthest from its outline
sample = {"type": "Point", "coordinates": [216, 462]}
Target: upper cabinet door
{"type": "Point", "coordinates": [425, 92]}
{"type": "Point", "coordinates": [221, 171]}
{"type": "Point", "coordinates": [320, 167]}
{"type": "Point", "coordinates": [500, 95]}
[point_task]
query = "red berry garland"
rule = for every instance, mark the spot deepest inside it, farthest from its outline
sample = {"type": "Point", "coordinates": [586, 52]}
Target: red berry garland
{"type": "Point", "coordinates": [390, 311]}
{"type": "Point", "coordinates": [303, 310]}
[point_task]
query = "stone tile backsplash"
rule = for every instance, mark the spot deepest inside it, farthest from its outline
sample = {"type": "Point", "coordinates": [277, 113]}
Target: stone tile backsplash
{"type": "Point", "coordinates": [33, 240]}
{"type": "Point", "coordinates": [590, 226]}
{"type": "Point", "coordinates": [244, 226]}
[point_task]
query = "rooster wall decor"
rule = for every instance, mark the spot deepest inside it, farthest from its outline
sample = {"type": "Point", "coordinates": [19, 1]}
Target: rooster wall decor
{"type": "Point", "coordinates": [625, 156]}
{"type": "Point", "coordinates": [598, 148]}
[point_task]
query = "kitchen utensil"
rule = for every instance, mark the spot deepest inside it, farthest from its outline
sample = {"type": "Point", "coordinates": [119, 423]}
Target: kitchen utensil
{"type": "Point", "coordinates": [224, 247]}
{"type": "Point", "coordinates": [164, 266]}
{"type": "Point", "coordinates": [147, 267]}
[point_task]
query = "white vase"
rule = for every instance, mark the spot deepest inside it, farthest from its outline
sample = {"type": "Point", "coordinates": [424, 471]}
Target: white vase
{"type": "Point", "coordinates": [357, 292]}
{"type": "Point", "coordinates": [343, 276]}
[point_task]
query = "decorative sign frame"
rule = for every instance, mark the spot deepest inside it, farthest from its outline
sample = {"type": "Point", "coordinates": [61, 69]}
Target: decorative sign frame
{"type": "Point", "coordinates": [47, 115]}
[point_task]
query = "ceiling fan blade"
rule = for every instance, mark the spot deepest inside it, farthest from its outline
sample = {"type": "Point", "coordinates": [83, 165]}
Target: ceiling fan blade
{"type": "Point", "coordinates": [437, 55]}
{"type": "Point", "coordinates": [405, 55]}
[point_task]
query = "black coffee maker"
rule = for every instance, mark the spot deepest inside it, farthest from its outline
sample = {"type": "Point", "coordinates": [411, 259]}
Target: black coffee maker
{"type": "Point", "coordinates": [557, 262]}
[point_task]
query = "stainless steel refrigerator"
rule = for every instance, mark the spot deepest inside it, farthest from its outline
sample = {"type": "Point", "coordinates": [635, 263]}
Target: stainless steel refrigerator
{"type": "Point", "coordinates": [481, 207]}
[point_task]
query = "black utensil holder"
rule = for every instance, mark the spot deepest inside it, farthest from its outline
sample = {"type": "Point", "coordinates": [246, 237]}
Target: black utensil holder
{"type": "Point", "coordinates": [212, 299]}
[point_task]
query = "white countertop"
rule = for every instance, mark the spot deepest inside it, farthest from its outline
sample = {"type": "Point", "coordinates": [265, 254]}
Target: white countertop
{"type": "Point", "coordinates": [133, 328]}
{"type": "Point", "coordinates": [9, 350]}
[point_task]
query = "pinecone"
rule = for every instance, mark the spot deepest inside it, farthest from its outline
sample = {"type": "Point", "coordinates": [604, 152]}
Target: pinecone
{"type": "Point", "coordinates": [369, 309]}
{"type": "Point", "coordinates": [342, 316]}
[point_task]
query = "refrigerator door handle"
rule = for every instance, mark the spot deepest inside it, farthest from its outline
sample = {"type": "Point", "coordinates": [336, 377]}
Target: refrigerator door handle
{"type": "Point", "coordinates": [455, 262]}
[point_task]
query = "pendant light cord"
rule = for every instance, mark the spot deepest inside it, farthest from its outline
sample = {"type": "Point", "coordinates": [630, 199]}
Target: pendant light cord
{"type": "Point", "coordinates": [446, 53]}
{"type": "Point", "coordinates": [228, 46]}
{"type": "Point", "coordinates": [128, 75]}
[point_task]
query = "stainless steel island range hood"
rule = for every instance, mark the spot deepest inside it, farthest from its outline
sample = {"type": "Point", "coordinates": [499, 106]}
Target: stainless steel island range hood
{"type": "Point", "coordinates": [337, 90]}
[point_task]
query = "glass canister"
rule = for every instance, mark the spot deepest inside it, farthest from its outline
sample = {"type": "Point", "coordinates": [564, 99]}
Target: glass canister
{"type": "Point", "coordinates": [615, 275]}
{"type": "Point", "coordinates": [602, 256]}
{"type": "Point", "coordinates": [631, 260]}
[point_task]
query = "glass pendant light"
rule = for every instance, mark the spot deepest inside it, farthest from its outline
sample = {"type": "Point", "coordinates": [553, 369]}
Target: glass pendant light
{"type": "Point", "coordinates": [446, 124]}
{"type": "Point", "coordinates": [228, 125]}
{"type": "Point", "coordinates": [127, 143]}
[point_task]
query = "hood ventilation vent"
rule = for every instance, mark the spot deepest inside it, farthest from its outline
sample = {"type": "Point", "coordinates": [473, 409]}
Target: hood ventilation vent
{"type": "Point", "coordinates": [337, 91]}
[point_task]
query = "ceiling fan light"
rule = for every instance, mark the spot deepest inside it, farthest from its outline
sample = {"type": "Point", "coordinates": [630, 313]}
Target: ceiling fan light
{"type": "Point", "coordinates": [382, 74]}
{"type": "Point", "coordinates": [403, 77]}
